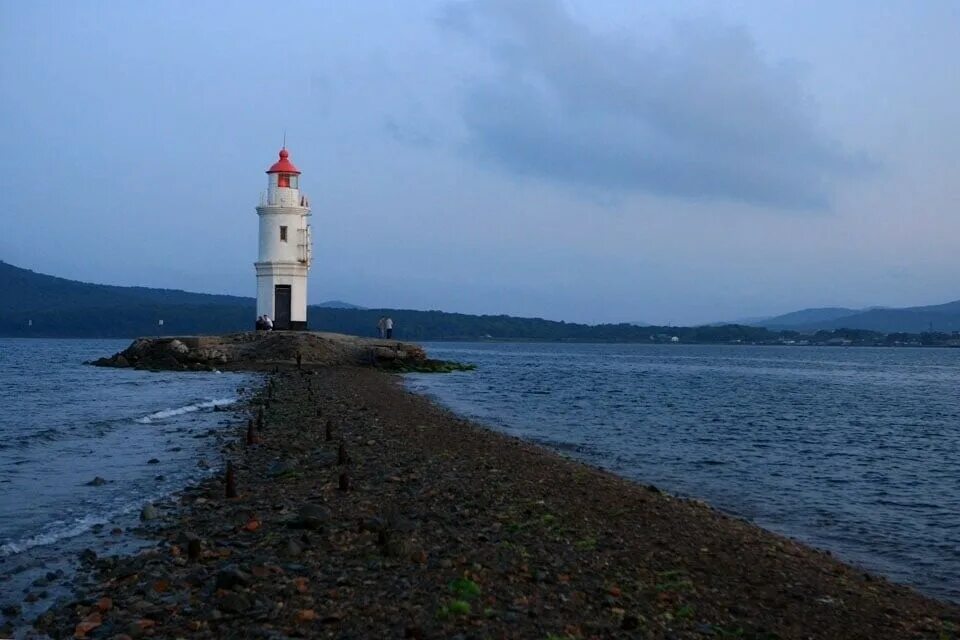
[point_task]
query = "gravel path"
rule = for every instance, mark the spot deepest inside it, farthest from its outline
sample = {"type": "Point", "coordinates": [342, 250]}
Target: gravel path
{"type": "Point", "coordinates": [410, 522]}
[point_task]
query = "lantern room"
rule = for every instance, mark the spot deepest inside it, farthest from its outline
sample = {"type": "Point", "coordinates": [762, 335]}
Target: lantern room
{"type": "Point", "coordinates": [283, 173]}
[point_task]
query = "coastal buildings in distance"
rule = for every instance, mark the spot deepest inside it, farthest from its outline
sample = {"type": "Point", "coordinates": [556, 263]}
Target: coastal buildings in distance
{"type": "Point", "coordinates": [285, 247]}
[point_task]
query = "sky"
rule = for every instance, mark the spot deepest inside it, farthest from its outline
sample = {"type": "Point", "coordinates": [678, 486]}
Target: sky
{"type": "Point", "coordinates": [674, 162]}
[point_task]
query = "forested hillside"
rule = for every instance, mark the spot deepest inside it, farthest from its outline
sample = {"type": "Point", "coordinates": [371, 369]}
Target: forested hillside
{"type": "Point", "coordinates": [37, 305]}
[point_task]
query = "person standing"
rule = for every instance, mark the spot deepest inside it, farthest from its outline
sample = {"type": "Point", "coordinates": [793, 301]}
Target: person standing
{"type": "Point", "coordinates": [382, 326]}
{"type": "Point", "coordinates": [388, 324]}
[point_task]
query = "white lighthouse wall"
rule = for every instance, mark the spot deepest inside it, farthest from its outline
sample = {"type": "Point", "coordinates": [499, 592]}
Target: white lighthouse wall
{"type": "Point", "coordinates": [269, 275]}
{"type": "Point", "coordinates": [272, 248]}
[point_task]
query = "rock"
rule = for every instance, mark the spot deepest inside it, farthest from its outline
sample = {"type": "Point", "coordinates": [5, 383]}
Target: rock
{"type": "Point", "coordinates": [230, 577]}
{"type": "Point", "coordinates": [292, 549]}
{"type": "Point", "coordinates": [312, 516]}
{"type": "Point", "coordinates": [398, 547]}
{"type": "Point", "coordinates": [135, 629]}
{"type": "Point", "coordinates": [175, 346]}
{"type": "Point", "coordinates": [324, 458]}
{"type": "Point", "coordinates": [97, 482]}
{"type": "Point", "coordinates": [88, 556]}
{"type": "Point", "coordinates": [121, 361]}
{"type": "Point", "coordinates": [281, 468]}
{"type": "Point", "coordinates": [11, 610]}
{"type": "Point", "coordinates": [153, 461]}
{"type": "Point", "coordinates": [630, 623]}
{"type": "Point", "coordinates": [149, 512]}
{"type": "Point", "coordinates": [233, 603]}
{"type": "Point", "coordinates": [373, 524]}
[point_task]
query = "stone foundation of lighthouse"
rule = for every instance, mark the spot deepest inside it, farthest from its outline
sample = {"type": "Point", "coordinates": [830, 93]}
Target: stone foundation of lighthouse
{"type": "Point", "coordinates": [285, 248]}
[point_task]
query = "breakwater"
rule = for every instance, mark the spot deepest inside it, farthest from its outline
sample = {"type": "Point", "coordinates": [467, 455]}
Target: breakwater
{"type": "Point", "coordinates": [362, 510]}
{"type": "Point", "coordinates": [846, 449]}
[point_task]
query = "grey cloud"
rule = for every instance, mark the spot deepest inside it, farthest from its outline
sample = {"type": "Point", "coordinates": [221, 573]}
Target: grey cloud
{"type": "Point", "coordinates": [702, 117]}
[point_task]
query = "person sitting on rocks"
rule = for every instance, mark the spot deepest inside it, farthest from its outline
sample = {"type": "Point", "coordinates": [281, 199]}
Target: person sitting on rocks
{"type": "Point", "coordinates": [268, 321]}
{"type": "Point", "coordinates": [261, 325]}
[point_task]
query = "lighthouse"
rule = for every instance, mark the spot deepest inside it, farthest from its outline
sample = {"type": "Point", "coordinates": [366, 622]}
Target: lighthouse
{"type": "Point", "coordinates": [285, 247]}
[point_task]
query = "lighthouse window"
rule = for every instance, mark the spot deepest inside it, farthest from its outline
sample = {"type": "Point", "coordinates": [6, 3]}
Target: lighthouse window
{"type": "Point", "coordinates": [283, 234]}
{"type": "Point", "coordinates": [283, 180]}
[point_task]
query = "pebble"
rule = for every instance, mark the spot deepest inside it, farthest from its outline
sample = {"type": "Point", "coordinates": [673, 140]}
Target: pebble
{"type": "Point", "coordinates": [292, 549]}
{"type": "Point", "coordinates": [230, 577]}
{"type": "Point", "coordinates": [233, 603]}
{"type": "Point", "coordinates": [312, 516]}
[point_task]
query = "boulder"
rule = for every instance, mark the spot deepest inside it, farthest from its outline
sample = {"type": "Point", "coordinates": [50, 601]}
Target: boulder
{"type": "Point", "coordinates": [175, 346]}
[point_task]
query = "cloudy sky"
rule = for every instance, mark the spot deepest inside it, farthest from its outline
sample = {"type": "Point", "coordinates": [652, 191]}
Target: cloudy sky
{"type": "Point", "coordinates": [589, 160]}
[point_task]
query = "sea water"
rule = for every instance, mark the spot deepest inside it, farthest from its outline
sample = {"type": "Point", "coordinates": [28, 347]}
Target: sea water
{"type": "Point", "coordinates": [64, 423]}
{"type": "Point", "coordinates": [854, 450]}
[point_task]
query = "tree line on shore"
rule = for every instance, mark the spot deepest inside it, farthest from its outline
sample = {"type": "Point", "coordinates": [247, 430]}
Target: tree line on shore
{"type": "Point", "coordinates": [39, 305]}
{"type": "Point", "coordinates": [129, 321]}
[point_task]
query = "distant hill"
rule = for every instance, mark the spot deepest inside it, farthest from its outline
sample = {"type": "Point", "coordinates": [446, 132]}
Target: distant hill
{"type": "Point", "coordinates": [943, 318]}
{"type": "Point", "coordinates": [338, 304]}
{"type": "Point", "coordinates": [66, 308]}
{"type": "Point", "coordinates": [805, 318]}
{"type": "Point", "coordinates": [34, 304]}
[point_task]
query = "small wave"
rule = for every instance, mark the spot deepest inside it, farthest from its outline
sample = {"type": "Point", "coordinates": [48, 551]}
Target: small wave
{"type": "Point", "coordinates": [46, 435]}
{"type": "Point", "coordinates": [190, 408]}
{"type": "Point", "coordinates": [56, 531]}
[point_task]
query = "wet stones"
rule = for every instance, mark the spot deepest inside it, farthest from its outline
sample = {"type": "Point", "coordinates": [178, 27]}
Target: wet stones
{"type": "Point", "coordinates": [312, 516]}
{"type": "Point", "coordinates": [230, 577]}
{"type": "Point", "coordinates": [281, 468]}
{"type": "Point", "coordinates": [97, 482]}
{"type": "Point", "coordinates": [233, 602]}
{"type": "Point", "coordinates": [148, 512]}
{"type": "Point", "coordinates": [292, 549]}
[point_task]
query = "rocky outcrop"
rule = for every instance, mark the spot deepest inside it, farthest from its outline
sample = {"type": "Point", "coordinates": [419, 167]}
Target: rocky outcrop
{"type": "Point", "coordinates": [263, 350]}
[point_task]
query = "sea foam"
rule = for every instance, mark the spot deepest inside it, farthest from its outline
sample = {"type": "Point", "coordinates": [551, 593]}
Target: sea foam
{"type": "Point", "coordinates": [190, 408]}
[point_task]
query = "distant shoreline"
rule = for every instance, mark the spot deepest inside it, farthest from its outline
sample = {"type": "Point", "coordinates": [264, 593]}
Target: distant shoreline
{"type": "Point", "coordinates": [558, 341]}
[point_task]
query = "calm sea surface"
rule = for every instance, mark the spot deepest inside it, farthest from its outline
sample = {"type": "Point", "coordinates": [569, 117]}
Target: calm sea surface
{"type": "Point", "coordinates": [852, 450]}
{"type": "Point", "coordinates": [63, 423]}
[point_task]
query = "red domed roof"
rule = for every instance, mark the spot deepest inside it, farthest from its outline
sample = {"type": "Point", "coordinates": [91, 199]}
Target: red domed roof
{"type": "Point", "coordinates": [283, 165]}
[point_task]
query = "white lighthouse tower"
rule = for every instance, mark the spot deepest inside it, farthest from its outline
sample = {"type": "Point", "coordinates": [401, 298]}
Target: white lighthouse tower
{"type": "Point", "coordinates": [285, 247]}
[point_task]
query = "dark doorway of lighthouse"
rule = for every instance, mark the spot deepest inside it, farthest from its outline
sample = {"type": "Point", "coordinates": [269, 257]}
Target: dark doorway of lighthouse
{"type": "Point", "coordinates": [281, 306]}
